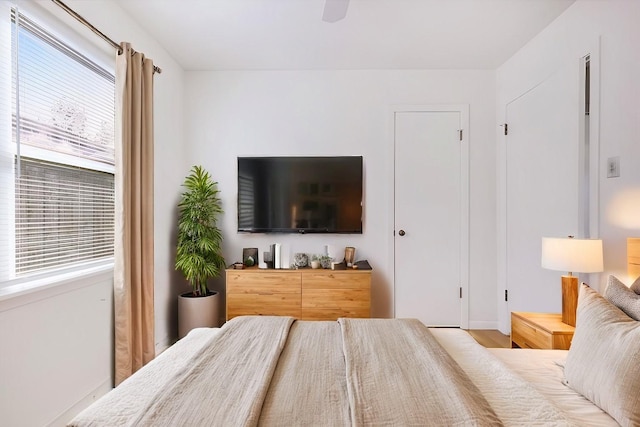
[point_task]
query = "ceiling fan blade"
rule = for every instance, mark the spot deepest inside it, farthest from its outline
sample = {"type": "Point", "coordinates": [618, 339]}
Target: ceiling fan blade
{"type": "Point", "coordinates": [334, 10]}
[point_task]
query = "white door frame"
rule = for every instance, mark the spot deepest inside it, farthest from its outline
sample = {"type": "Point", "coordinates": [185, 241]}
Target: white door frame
{"type": "Point", "coordinates": [463, 109]}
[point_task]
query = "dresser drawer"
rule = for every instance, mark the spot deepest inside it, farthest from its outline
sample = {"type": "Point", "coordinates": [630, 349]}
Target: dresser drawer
{"type": "Point", "coordinates": [263, 283]}
{"type": "Point", "coordinates": [265, 304]}
{"type": "Point", "coordinates": [335, 298]}
{"type": "Point", "coordinates": [335, 294]}
{"type": "Point", "coordinates": [275, 294]}
{"type": "Point", "coordinates": [336, 280]}
{"type": "Point", "coordinates": [526, 335]}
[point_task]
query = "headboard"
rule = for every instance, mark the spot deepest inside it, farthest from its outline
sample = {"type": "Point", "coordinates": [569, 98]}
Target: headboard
{"type": "Point", "coordinates": [633, 257]}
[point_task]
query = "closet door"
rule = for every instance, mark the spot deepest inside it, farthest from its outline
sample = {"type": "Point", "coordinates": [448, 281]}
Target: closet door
{"type": "Point", "coordinates": [542, 152]}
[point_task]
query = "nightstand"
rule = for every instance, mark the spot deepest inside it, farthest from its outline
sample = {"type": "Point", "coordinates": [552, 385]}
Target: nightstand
{"type": "Point", "coordinates": [540, 330]}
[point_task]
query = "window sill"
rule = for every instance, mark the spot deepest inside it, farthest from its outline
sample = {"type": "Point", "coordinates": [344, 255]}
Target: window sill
{"type": "Point", "coordinates": [45, 287]}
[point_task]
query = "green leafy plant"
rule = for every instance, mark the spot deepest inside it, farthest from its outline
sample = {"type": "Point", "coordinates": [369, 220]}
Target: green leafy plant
{"type": "Point", "coordinates": [325, 261]}
{"type": "Point", "coordinates": [199, 253]}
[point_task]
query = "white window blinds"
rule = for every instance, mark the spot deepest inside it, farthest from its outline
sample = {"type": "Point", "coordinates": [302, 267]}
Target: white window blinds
{"type": "Point", "coordinates": [66, 102]}
{"type": "Point", "coordinates": [63, 215]}
{"type": "Point", "coordinates": [61, 212]}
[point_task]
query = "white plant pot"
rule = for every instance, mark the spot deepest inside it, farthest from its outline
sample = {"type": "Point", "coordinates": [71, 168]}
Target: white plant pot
{"type": "Point", "coordinates": [197, 312]}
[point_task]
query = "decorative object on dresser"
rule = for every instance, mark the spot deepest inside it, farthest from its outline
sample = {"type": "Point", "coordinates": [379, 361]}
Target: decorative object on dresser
{"type": "Point", "coordinates": [199, 253]}
{"type": "Point", "coordinates": [315, 261]}
{"type": "Point", "coordinates": [540, 330]}
{"type": "Point", "coordinates": [325, 261]}
{"type": "Point", "coordinates": [250, 257]}
{"type": "Point", "coordinates": [306, 294]}
{"type": "Point", "coordinates": [331, 251]}
{"type": "Point", "coordinates": [300, 259]}
{"type": "Point", "coordinates": [349, 255]}
{"type": "Point", "coordinates": [571, 255]}
{"type": "Point", "coordinates": [268, 259]}
{"type": "Point", "coordinates": [278, 256]}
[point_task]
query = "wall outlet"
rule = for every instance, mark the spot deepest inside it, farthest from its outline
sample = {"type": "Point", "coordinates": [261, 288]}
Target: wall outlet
{"type": "Point", "coordinates": [613, 167]}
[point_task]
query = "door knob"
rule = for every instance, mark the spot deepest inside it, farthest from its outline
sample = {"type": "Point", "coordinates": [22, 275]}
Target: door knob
{"type": "Point", "coordinates": [401, 232]}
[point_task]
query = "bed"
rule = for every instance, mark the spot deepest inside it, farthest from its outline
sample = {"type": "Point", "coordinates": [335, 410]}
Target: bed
{"type": "Point", "coordinates": [276, 371]}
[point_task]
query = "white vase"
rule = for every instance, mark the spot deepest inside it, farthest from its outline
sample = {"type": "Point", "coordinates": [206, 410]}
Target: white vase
{"type": "Point", "coordinates": [197, 312]}
{"type": "Point", "coordinates": [315, 264]}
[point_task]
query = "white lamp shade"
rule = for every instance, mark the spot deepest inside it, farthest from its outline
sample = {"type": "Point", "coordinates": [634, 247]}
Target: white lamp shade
{"type": "Point", "coordinates": [572, 255]}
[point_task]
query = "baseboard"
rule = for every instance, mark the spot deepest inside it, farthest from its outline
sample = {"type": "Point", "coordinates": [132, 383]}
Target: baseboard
{"type": "Point", "coordinates": [64, 418]}
{"type": "Point", "coordinates": [479, 324]}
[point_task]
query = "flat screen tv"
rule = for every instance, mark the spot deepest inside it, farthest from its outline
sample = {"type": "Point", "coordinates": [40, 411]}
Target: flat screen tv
{"type": "Point", "coordinates": [300, 194]}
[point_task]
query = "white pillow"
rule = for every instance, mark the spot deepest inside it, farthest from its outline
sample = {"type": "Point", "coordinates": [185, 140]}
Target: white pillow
{"type": "Point", "coordinates": [622, 297]}
{"type": "Point", "coordinates": [603, 363]}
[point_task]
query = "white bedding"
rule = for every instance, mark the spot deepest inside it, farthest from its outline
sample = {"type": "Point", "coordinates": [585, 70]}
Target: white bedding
{"type": "Point", "coordinates": [515, 393]}
{"type": "Point", "coordinates": [122, 403]}
{"type": "Point", "coordinates": [514, 400]}
{"type": "Point", "coordinates": [541, 369]}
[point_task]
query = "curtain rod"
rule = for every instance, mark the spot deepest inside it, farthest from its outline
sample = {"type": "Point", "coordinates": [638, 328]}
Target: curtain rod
{"type": "Point", "coordinates": [99, 33]}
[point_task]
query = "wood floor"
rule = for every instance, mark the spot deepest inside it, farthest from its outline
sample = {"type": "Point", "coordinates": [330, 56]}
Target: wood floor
{"type": "Point", "coordinates": [491, 338]}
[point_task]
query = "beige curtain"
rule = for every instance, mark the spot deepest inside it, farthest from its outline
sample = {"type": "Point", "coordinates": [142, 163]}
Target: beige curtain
{"type": "Point", "coordinates": [133, 272]}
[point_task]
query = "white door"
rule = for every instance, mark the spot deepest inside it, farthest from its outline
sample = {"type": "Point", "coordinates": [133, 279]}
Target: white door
{"type": "Point", "coordinates": [542, 146]}
{"type": "Point", "coordinates": [430, 219]}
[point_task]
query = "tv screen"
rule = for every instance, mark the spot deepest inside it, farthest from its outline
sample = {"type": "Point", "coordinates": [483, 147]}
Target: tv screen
{"type": "Point", "coordinates": [300, 194]}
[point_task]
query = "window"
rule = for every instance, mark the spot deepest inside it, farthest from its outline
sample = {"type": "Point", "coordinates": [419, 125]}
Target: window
{"type": "Point", "coordinates": [60, 212]}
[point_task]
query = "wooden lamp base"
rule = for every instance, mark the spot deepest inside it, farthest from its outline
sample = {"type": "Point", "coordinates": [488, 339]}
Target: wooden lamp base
{"type": "Point", "coordinates": [569, 299]}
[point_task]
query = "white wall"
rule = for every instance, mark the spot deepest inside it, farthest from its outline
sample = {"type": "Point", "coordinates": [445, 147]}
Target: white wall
{"type": "Point", "coordinates": [588, 26]}
{"type": "Point", "coordinates": [56, 350]}
{"type": "Point", "coordinates": [236, 113]}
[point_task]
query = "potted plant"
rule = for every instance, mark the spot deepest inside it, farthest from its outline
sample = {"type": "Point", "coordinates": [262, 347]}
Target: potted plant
{"type": "Point", "coordinates": [199, 253]}
{"type": "Point", "coordinates": [315, 261]}
{"type": "Point", "coordinates": [325, 261]}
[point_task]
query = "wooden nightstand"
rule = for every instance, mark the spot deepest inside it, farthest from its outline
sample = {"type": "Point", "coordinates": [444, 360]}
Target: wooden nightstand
{"type": "Point", "coordinates": [540, 330]}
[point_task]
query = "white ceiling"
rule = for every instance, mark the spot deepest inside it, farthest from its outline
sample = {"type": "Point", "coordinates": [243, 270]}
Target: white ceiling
{"type": "Point", "coordinates": [376, 34]}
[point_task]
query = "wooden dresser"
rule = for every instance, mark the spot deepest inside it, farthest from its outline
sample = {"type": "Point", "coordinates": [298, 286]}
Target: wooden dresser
{"type": "Point", "coordinates": [540, 330]}
{"type": "Point", "coordinates": [307, 294]}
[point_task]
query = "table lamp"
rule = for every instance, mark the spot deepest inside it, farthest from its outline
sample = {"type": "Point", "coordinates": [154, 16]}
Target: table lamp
{"type": "Point", "coordinates": [571, 255]}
